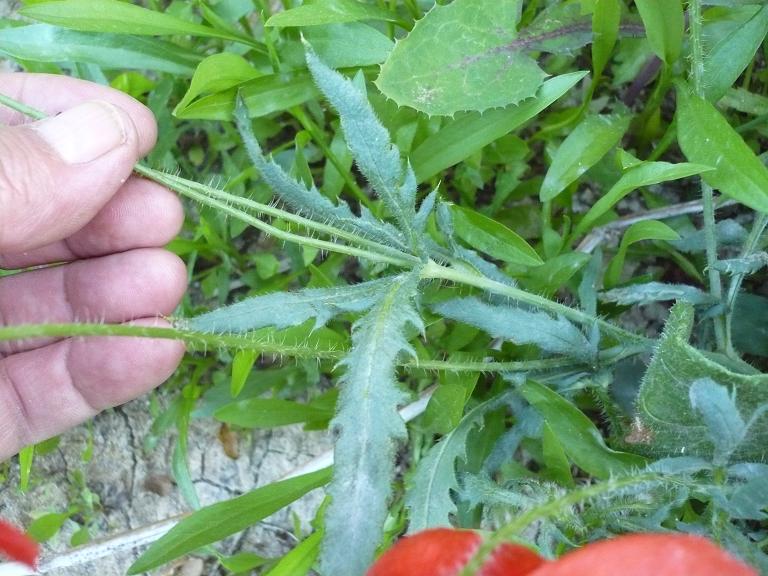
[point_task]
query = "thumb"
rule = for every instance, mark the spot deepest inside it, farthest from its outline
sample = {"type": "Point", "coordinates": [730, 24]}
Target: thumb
{"type": "Point", "coordinates": [56, 174]}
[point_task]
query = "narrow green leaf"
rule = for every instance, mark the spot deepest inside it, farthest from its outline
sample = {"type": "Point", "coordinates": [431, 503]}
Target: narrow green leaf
{"type": "Point", "coordinates": [728, 58]}
{"type": "Point", "coordinates": [605, 31]}
{"type": "Point", "coordinates": [429, 500]}
{"type": "Point", "coordinates": [664, 25]}
{"type": "Point", "coordinates": [579, 437]}
{"type": "Point", "coordinates": [45, 43]}
{"type": "Point", "coordinates": [640, 175]}
{"type": "Point", "coordinates": [217, 73]}
{"type": "Point", "coordinates": [117, 17]}
{"type": "Point", "coordinates": [26, 458]}
{"type": "Point", "coordinates": [460, 138]}
{"type": "Point", "coordinates": [462, 56]}
{"type": "Point", "coordinates": [269, 413]}
{"type": "Point", "coordinates": [706, 137]}
{"type": "Point", "coordinates": [216, 522]}
{"type": "Point", "coordinates": [368, 429]}
{"type": "Point", "coordinates": [583, 148]}
{"type": "Point", "coordinates": [284, 309]}
{"type": "Point", "coordinates": [664, 403]}
{"type": "Point", "coordinates": [327, 12]}
{"type": "Point", "coordinates": [490, 236]}
{"type": "Point", "coordinates": [553, 335]}
{"type": "Point", "coordinates": [299, 561]}
{"type": "Point", "coordinates": [242, 364]}
{"type": "Point", "coordinates": [639, 231]}
{"type": "Point", "coordinates": [555, 459]}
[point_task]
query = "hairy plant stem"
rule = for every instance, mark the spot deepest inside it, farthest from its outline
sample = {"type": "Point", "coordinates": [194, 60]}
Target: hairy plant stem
{"type": "Point", "coordinates": [707, 196]}
{"type": "Point", "coordinates": [470, 278]}
{"type": "Point", "coordinates": [551, 509]}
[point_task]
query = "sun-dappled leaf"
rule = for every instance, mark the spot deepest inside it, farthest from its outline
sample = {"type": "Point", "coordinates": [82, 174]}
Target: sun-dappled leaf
{"type": "Point", "coordinates": [579, 437]}
{"type": "Point", "coordinates": [706, 137]}
{"type": "Point", "coordinates": [429, 500]}
{"type": "Point", "coordinates": [283, 309]}
{"type": "Point", "coordinates": [553, 335]}
{"type": "Point", "coordinates": [462, 56]}
{"type": "Point", "coordinates": [216, 522]}
{"type": "Point", "coordinates": [368, 427]}
{"type": "Point", "coordinates": [664, 403]}
{"type": "Point", "coordinates": [583, 148]}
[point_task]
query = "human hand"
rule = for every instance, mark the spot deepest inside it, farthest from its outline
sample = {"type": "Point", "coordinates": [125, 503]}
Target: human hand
{"type": "Point", "coordinates": [67, 195]}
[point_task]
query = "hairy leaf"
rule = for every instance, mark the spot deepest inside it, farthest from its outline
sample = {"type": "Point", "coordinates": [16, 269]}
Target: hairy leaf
{"type": "Point", "coordinates": [554, 335]}
{"type": "Point", "coordinates": [746, 265]}
{"type": "Point", "coordinates": [429, 500]}
{"type": "Point", "coordinates": [309, 200]}
{"type": "Point", "coordinates": [727, 232]}
{"type": "Point", "coordinates": [368, 427]}
{"type": "Point", "coordinates": [718, 410]}
{"type": "Point", "coordinates": [284, 309]}
{"type": "Point", "coordinates": [375, 155]}
{"type": "Point", "coordinates": [462, 56]}
{"type": "Point", "coordinates": [656, 292]}
{"type": "Point", "coordinates": [664, 402]}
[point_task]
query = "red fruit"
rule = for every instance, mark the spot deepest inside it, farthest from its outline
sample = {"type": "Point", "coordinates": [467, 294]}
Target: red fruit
{"type": "Point", "coordinates": [445, 551]}
{"type": "Point", "coordinates": [16, 545]}
{"type": "Point", "coordinates": [648, 555]}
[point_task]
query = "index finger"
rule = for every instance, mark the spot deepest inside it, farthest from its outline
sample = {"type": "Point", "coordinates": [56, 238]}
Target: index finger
{"type": "Point", "coordinates": [52, 94]}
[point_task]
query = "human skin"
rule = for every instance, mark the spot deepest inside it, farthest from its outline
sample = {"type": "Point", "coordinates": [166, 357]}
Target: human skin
{"type": "Point", "coordinates": [68, 196]}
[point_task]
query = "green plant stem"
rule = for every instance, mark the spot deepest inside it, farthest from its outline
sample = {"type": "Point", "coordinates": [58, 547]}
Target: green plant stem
{"type": "Point", "coordinates": [319, 138]}
{"type": "Point", "coordinates": [194, 189]}
{"type": "Point", "coordinates": [750, 245]}
{"type": "Point", "coordinates": [551, 509]}
{"type": "Point", "coordinates": [707, 196]}
{"type": "Point", "coordinates": [21, 107]}
{"type": "Point", "coordinates": [470, 278]}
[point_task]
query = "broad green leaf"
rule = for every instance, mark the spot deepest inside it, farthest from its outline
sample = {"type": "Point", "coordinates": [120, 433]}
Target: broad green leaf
{"type": "Point", "coordinates": [349, 45]}
{"type": "Point", "coordinates": [706, 137]}
{"type": "Point", "coordinates": [216, 522]}
{"type": "Point", "coordinates": [656, 292]}
{"type": "Point", "coordinates": [728, 58]}
{"type": "Point", "coordinates": [269, 413]}
{"type": "Point", "coordinates": [217, 73]}
{"type": "Point", "coordinates": [113, 16]}
{"type": "Point", "coordinates": [460, 138]}
{"type": "Point", "coordinates": [45, 43]}
{"type": "Point", "coordinates": [429, 499]}
{"type": "Point", "coordinates": [284, 309]}
{"type": "Point", "coordinates": [301, 199]}
{"type": "Point", "coordinates": [583, 148]}
{"type": "Point", "coordinates": [664, 24]}
{"type": "Point", "coordinates": [368, 428]}
{"type": "Point", "coordinates": [749, 501]}
{"type": "Point", "coordinates": [555, 459]}
{"type": "Point", "coordinates": [316, 12]}
{"type": "Point", "coordinates": [664, 405]}
{"type": "Point", "coordinates": [262, 96]}
{"type": "Point", "coordinates": [299, 561]}
{"type": "Point", "coordinates": [554, 273]}
{"type": "Point", "coordinates": [462, 56]}
{"type": "Point", "coordinates": [750, 324]}
{"type": "Point", "coordinates": [718, 410]}
{"type": "Point", "coordinates": [639, 231]}
{"type": "Point", "coordinates": [45, 527]}
{"type": "Point", "coordinates": [368, 140]}
{"type": "Point", "coordinates": [553, 335]}
{"type": "Point", "coordinates": [242, 364]}
{"type": "Point", "coordinates": [605, 31]}
{"type": "Point", "coordinates": [490, 236]}
{"type": "Point", "coordinates": [644, 174]}
{"type": "Point", "coordinates": [579, 437]}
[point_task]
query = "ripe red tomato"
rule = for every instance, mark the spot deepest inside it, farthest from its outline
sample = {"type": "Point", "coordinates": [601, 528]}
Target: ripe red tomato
{"type": "Point", "coordinates": [648, 555]}
{"type": "Point", "coordinates": [17, 546]}
{"type": "Point", "coordinates": [445, 551]}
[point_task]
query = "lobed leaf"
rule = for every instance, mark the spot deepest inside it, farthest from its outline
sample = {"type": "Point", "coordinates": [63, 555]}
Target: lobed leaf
{"type": "Point", "coordinates": [553, 335]}
{"type": "Point", "coordinates": [368, 428]}
{"type": "Point", "coordinates": [648, 292]}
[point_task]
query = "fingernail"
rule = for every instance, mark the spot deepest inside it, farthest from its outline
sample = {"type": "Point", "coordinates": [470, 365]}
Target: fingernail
{"type": "Point", "coordinates": [84, 133]}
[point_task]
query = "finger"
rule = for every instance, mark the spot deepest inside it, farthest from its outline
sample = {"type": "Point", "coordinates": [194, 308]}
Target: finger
{"type": "Point", "coordinates": [112, 289]}
{"type": "Point", "coordinates": [58, 173]}
{"type": "Point", "coordinates": [52, 94]}
{"type": "Point", "coordinates": [45, 391]}
{"type": "Point", "coordinates": [142, 214]}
